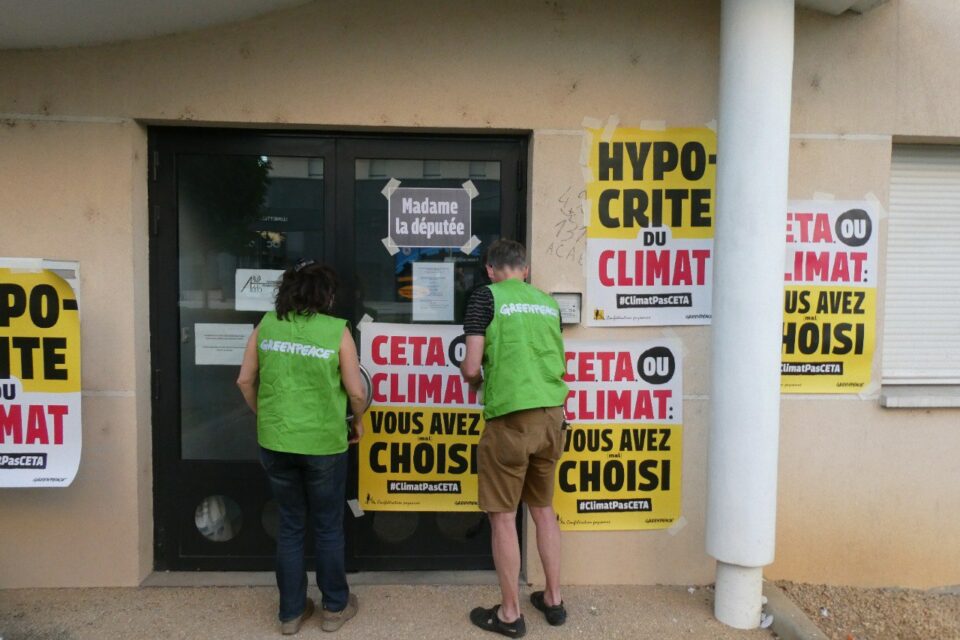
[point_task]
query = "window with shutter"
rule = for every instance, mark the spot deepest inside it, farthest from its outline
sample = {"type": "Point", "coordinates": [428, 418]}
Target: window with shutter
{"type": "Point", "coordinates": [921, 341]}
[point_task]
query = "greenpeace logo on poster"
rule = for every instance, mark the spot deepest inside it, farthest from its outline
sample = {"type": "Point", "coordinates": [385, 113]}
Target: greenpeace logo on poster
{"type": "Point", "coordinates": [829, 297]}
{"type": "Point", "coordinates": [40, 435]}
{"type": "Point", "coordinates": [650, 212]}
{"type": "Point", "coordinates": [429, 217]}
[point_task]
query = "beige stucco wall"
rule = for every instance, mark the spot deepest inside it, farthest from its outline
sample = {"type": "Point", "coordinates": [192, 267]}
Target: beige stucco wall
{"type": "Point", "coordinates": [867, 494]}
{"type": "Point", "coordinates": [77, 191]}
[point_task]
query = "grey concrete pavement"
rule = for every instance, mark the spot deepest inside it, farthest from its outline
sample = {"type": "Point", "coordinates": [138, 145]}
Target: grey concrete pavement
{"type": "Point", "coordinates": [394, 612]}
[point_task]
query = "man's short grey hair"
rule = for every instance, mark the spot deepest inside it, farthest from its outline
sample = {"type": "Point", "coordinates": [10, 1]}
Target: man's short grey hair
{"type": "Point", "coordinates": [506, 253]}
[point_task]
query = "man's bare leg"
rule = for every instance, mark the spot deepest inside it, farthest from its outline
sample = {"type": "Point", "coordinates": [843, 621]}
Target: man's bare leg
{"type": "Point", "coordinates": [506, 558]}
{"type": "Point", "coordinates": [548, 544]}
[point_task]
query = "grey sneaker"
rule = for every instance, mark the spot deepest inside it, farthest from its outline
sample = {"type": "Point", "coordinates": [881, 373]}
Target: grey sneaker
{"type": "Point", "coordinates": [333, 620]}
{"type": "Point", "coordinates": [290, 627]}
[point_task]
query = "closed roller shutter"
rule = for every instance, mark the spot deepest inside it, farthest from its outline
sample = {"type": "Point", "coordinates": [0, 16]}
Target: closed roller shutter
{"type": "Point", "coordinates": [921, 341]}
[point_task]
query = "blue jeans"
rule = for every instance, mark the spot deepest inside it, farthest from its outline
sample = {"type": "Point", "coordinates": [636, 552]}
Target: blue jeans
{"type": "Point", "coordinates": [316, 483]}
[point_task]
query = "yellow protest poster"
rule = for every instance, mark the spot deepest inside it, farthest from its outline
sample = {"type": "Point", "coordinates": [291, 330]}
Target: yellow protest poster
{"type": "Point", "coordinates": [40, 435]}
{"type": "Point", "coordinates": [829, 310]}
{"type": "Point", "coordinates": [649, 209]}
{"type": "Point", "coordinates": [419, 450]}
{"type": "Point", "coordinates": [422, 459]}
{"type": "Point", "coordinates": [623, 452]}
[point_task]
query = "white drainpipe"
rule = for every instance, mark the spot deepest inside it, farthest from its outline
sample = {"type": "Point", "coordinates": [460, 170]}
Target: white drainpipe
{"type": "Point", "coordinates": [756, 65]}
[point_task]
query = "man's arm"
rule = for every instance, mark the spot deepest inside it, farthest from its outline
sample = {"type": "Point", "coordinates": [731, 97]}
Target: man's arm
{"type": "Point", "coordinates": [470, 367]}
{"type": "Point", "coordinates": [477, 317]}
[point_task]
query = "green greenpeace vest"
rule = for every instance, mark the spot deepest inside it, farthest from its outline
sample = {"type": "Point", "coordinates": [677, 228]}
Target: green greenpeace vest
{"type": "Point", "coordinates": [523, 361]}
{"type": "Point", "coordinates": [301, 404]}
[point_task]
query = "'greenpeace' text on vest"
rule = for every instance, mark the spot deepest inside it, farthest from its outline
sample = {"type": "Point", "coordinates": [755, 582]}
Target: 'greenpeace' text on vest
{"type": "Point", "coordinates": [541, 309]}
{"type": "Point", "coordinates": [307, 350]}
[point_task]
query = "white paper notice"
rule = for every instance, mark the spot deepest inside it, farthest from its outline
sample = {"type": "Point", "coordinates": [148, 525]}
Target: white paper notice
{"type": "Point", "coordinates": [256, 289]}
{"type": "Point", "coordinates": [221, 343]}
{"type": "Point", "coordinates": [433, 291]}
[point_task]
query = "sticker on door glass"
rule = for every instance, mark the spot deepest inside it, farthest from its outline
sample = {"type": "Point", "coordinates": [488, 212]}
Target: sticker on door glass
{"type": "Point", "coordinates": [256, 289]}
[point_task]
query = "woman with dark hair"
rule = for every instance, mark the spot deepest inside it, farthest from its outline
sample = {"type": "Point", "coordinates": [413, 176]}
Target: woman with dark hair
{"type": "Point", "coordinates": [307, 366]}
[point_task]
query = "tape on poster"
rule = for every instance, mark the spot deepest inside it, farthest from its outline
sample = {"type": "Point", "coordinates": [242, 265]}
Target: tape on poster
{"type": "Point", "coordinates": [881, 211]}
{"type": "Point", "coordinates": [586, 206]}
{"type": "Point", "coordinates": [392, 186]}
{"type": "Point", "coordinates": [587, 175]}
{"type": "Point", "coordinates": [355, 507]}
{"type": "Point", "coordinates": [586, 141]}
{"type": "Point", "coordinates": [469, 187]}
{"type": "Point", "coordinates": [589, 122]}
{"type": "Point", "coordinates": [391, 246]}
{"type": "Point", "coordinates": [870, 391]}
{"type": "Point", "coordinates": [471, 244]}
{"type": "Point", "coordinates": [675, 528]}
{"type": "Point", "coordinates": [671, 334]}
{"type": "Point", "coordinates": [364, 321]}
{"type": "Point", "coordinates": [610, 128]}
{"type": "Point", "coordinates": [23, 265]}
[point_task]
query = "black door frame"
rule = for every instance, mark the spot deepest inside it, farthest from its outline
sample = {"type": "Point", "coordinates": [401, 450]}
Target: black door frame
{"type": "Point", "coordinates": [173, 476]}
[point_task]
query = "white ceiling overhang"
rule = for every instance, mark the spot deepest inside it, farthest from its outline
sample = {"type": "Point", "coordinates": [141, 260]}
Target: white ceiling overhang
{"type": "Point", "coordinates": [32, 24]}
{"type": "Point", "coordinates": [836, 7]}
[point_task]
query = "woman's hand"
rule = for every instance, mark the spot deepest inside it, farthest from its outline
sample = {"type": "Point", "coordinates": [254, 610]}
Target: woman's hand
{"type": "Point", "coordinates": [356, 430]}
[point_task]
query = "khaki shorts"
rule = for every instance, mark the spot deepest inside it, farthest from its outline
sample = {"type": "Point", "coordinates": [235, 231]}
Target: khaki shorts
{"type": "Point", "coordinates": [517, 458]}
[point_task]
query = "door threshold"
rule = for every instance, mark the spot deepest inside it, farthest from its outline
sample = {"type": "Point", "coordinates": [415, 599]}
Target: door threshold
{"type": "Point", "coordinates": [267, 578]}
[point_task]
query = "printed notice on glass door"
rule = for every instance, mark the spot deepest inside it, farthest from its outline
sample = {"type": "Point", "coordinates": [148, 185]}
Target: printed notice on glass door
{"type": "Point", "coordinates": [220, 344]}
{"type": "Point", "coordinates": [433, 291]}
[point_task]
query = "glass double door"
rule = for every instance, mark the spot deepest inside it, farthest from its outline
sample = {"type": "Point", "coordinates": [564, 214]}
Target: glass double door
{"type": "Point", "coordinates": [229, 210]}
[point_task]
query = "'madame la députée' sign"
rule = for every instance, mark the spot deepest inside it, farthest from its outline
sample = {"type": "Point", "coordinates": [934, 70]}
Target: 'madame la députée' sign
{"type": "Point", "coordinates": [40, 435]}
{"type": "Point", "coordinates": [429, 217]}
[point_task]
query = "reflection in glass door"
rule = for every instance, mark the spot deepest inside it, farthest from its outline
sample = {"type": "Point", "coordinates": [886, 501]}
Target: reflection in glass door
{"type": "Point", "coordinates": [242, 220]}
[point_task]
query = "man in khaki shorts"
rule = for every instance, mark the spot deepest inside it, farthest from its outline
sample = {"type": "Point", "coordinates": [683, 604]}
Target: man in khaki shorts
{"type": "Point", "coordinates": [513, 330]}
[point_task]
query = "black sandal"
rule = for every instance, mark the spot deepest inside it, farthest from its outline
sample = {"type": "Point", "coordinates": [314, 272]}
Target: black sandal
{"type": "Point", "coordinates": [556, 615]}
{"type": "Point", "coordinates": [488, 620]}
